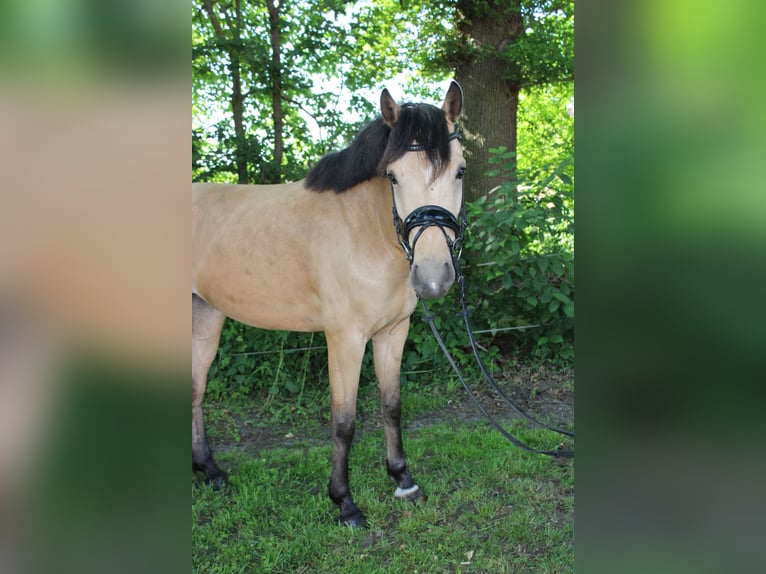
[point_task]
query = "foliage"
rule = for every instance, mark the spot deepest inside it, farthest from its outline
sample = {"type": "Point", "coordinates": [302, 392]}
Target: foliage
{"type": "Point", "coordinates": [530, 230]}
{"type": "Point", "coordinates": [332, 53]}
{"type": "Point", "coordinates": [542, 53]}
{"type": "Point", "coordinates": [306, 31]}
{"type": "Point", "coordinates": [523, 275]}
{"type": "Point", "coordinates": [546, 132]}
{"type": "Point", "coordinates": [545, 53]}
{"type": "Point", "coordinates": [270, 364]}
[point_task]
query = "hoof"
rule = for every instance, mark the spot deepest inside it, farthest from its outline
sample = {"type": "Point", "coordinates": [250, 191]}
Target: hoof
{"type": "Point", "coordinates": [414, 494]}
{"type": "Point", "coordinates": [217, 479]}
{"type": "Point", "coordinates": [353, 520]}
{"type": "Point", "coordinates": [214, 476]}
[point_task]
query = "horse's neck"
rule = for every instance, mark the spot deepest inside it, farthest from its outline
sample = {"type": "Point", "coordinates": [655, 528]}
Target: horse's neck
{"type": "Point", "coordinates": [372, 201]}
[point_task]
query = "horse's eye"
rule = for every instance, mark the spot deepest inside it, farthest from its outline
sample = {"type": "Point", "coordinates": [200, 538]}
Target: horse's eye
{"type": "Point", "coordinates": [392, 177]}
{"type": "Point", "coordinates": [460, 173]}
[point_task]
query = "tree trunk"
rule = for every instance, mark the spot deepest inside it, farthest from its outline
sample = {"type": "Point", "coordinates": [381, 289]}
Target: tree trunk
{"type": "Point", "coordinates": [491, 98]}
{"type": "Point", "coordinates": [232, 48]}
{"type": "Point", "coordinates": [237, 108]}
{"type": "Point", "coordinates": [276, 86]}
{"type": "Point", "coordinates": [237, 113]}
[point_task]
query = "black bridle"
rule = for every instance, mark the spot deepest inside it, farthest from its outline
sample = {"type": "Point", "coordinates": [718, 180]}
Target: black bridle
{"type": "Point", "coordinates": [427, 216]}
{"type": "Point", "coordinates": [435, 216]}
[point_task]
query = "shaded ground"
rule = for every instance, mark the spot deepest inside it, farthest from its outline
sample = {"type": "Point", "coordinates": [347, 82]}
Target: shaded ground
{"type": "Point", "coordinates": [546, 394]}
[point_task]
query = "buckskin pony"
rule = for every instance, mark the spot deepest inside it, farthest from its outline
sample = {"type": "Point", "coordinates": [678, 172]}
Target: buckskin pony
{"type": "Point", "coordinates": [323, 254]}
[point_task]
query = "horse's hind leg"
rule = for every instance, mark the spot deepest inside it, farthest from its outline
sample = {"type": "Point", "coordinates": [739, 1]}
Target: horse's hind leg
{"type": "Point", "coordinates": [388, 346]}
{"type": "Point", "coordinates": [206, 330]}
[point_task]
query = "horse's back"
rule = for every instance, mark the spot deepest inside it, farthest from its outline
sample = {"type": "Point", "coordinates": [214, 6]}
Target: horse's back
{"type": "Point", "coordinates": [217, 201]}
{"type": "Point", "coordinates": [229, 216]}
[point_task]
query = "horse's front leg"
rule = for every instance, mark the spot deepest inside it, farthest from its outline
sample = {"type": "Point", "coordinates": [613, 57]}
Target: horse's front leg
{"type": "Point", "coordinates": [388, 346]}
{"type": "Point", "coordinates": [345, 362]}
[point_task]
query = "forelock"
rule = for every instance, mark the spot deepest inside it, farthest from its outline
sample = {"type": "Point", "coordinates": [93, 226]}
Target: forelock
{"type": "Point", "coordinates": [425, 126]}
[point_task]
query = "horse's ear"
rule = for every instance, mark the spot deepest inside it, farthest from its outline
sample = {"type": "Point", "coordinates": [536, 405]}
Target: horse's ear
{"type": "Point", "coordinates": [453, 102]}
{"type": "Point", "coordinates": [389, 108]}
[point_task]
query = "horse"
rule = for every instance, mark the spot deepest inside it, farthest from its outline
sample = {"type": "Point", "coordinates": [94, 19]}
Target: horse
{"type": "Point", "coordinates": [322, 254]}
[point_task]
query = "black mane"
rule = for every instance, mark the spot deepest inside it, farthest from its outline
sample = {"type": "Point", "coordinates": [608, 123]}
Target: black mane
{"type": "Point", "coordinates": [377, 145]}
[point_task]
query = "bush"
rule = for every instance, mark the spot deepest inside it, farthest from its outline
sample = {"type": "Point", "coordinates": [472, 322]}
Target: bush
{"type": "Point", "coordinates": [256, 362]}
{"type": "Point", "coordinates": [521, 258]}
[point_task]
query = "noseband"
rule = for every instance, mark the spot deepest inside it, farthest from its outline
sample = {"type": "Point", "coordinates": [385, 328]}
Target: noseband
{"type": "Point", "coordinates": [427, 216]}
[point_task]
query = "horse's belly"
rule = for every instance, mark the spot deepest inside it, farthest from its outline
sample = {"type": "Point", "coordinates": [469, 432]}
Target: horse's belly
{"type": "Point", "coordinates": [291, 316]}
{"type": "Point", "coordinates": [260, 296]}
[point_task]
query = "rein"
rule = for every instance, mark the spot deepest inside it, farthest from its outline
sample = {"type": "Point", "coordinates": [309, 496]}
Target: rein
{"type": "Point", "coordinates": [433, 215]}
{"type": "Point", "coordinates": [429, 318]}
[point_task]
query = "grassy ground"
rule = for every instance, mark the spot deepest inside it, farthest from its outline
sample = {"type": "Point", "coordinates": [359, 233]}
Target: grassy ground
{"type": "Point", "coordinates": [491, 507]}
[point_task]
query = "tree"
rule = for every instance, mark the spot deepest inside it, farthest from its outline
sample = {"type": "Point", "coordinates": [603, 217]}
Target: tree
{"type": "Point", "coordinates": [229, 39]}
{"type": "Point", "coordinates": [265, 60]}
{"type": "Point", "coordinates": [500, 47]}
{"type": "Point", "coordinates": [275, 35]}
{"type": "Point", "coordinates": [270, 69]}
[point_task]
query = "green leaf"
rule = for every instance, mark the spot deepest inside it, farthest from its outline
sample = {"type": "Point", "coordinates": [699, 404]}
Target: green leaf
{"type": "Point", "coordinates": [561, 297]}
{"type": "Point", "coordinates": [291, 386]}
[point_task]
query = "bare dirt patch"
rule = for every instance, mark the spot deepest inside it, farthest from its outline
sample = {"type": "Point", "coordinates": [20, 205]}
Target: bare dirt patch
{"type": "Point", "coordinates": [545, 393]}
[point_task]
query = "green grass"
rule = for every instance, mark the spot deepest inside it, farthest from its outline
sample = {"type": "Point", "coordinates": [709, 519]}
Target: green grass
{"type": "Point", "coordinates": [491, 508]}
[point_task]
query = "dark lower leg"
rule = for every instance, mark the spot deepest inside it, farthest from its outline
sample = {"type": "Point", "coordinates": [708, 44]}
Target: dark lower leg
{"type": "Point", "coordinates": [388, 346]}
{"type": "Point", "coordinates": [339, 488]}
{"type": "Point", "coordinates": [202, 458]}
{"type": "Point", "coordinates": [396, 464]}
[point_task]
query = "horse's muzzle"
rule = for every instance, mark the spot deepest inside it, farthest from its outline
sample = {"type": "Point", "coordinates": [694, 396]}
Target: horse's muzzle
{"type": "Point", "coordinates": [432, 279]}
